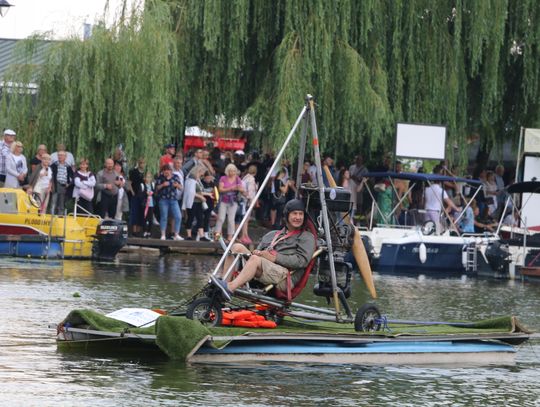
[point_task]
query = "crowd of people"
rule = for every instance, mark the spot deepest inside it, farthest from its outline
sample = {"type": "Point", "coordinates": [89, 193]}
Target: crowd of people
{"type": "Point", "coordinates": [207, 192]}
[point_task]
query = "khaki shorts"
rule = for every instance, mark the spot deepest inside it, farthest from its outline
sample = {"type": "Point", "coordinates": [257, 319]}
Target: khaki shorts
{"type": "Point", "coordinates": [273, 273]}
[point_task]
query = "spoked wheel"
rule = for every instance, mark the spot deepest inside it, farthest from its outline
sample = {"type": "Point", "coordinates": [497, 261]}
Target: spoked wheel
{"type": "Point", "coordinates": [205, 310]}
{"type": "Point", "coordinates": [368, 319]}
{"type": "Point", "coordinates": [272, 315]}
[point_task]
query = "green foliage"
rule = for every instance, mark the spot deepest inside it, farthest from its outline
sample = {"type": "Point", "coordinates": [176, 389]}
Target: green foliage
{"type": "Point", "coordinates": [471, 65]}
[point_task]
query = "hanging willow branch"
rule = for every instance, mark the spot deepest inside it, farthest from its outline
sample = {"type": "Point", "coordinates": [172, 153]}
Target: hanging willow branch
{"type": "Point", "coordinates": [473, 66]}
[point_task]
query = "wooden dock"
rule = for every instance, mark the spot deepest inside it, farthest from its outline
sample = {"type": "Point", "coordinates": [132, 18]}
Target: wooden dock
{"type": "Point", "coordinates": [173, 246]}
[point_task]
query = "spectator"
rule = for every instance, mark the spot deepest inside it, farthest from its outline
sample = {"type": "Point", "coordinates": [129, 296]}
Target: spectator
{"type": "Point", "coordinates": [306, 175]}
{"type": "Point", "coordinates": [5, 151]}
{"type": "Point", "coordinates": [138, 197]}
{"type": "Point", "coordinates": [466, 223]}
{"type": "Point", "coordinates": [490, 192]}
{"type": "Point", "coordinates": [229, 186]}
{"type": "Point", "coordinates": [41, 182]}
{"type": "Point", "coordinates": [167, 158]}
{"type": "Point", "coordinates": [196, 207]}
{"type": "Point", "coordinates": [166, 187]}
{"type": "Point", "coordinates": [122, 204]}
{"type": "Point", "coordinates": [281, 188]}
{"type": "Point", "coordinates": [209, 187]}
{"type": "Point", "coordinates": [193, 161]}
{"type": "Point", "coordinates": [328, 162]}
{"type": "Point", "coordinates": [62, 179]}
{"type": "Point", "coordinates": [499, 180]}
{"type": "Point", "coordinates": [239, 161]}
{"type": "Point", "coordinates": [16, 169]}
{"type": "Point", "coordinates": [83, 192]}
{"type": "Point", "coordinates": [69, 157]}
{"type": "Point", "coordinates": [206, 162]}
{"type": "Point", "coordinates": [107, 186]}
{"type": "Point", "coordinates": [177, 170]}
{"type": "Point", "coordinates": [358, 170]}
{"type": "Point", "coordinates": [36, 160]}
{"type": "Point", "coordinates": [483, 222]}
{"type": "Point", "coordinates": [250, 188]}
{"type": "Point", "coordinates": [148, 210]}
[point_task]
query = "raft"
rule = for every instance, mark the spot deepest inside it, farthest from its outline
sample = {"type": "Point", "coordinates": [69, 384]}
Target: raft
{"type": "Point", "coordinates": [485, 342]}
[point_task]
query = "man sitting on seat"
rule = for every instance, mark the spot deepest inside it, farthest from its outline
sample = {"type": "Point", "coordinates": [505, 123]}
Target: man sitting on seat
{"type": "Point", "coordinates": [289, 249]}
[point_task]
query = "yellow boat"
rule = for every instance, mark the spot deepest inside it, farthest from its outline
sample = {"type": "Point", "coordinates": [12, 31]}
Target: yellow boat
{"type": "Point", "coordinates": [24, 232]}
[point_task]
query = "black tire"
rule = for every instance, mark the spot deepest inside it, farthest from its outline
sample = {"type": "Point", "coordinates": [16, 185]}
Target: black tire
{"type": "Point", "coordinates": [367, 319]}
{"type": "Point", "coordinates": [205, 310]}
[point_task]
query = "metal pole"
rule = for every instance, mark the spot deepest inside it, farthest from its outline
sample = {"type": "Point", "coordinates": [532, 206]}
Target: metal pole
{"type": "Point", "coordinates": [301, 156]}
{"type": "Point", "coordinates": [261, 188]}
{"type": "Point", "coordinates": [518, 161]}
{"type": "Point", "coordinates": [322, 198]}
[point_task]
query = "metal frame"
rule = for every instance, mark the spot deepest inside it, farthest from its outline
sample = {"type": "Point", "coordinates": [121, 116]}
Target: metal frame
{"type": "Point", "coordinates": [307, 117]}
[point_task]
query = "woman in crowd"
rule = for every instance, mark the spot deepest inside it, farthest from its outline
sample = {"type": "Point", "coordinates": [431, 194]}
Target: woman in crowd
{"type": "Point", "coordinates": [85, 181]}
{"type": "Point", "coordinates": [148, 209]}
{"type": "Point", "coordinates": [166, 186]}
{"type": "Point", "coordinates": [195, 199]}
{"type": "Point", "coordinates": [36, 160]}
{"type": "Point", "coordinates": [16, 168]}
{"type": "Point", "coordinates": [229, 186]}
{"type": "Point", "coordinates": [250, 188]}
{"type": "Point", "coordinates": [483, 222]}
{"type": "Point", "coordinates": [41, 181]}
{"type": "Point", "coordinates": [123, 200]}
{"type": "Point", "coordinates": [209, 187]}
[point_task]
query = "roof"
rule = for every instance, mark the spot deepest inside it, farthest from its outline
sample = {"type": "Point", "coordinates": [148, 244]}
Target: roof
{"type": "Point", "coordinates": [8, 54]}
{"type": "Point", "coordinates": [524, 187]}
{"type": "Point", "coordinates": [415, 176]}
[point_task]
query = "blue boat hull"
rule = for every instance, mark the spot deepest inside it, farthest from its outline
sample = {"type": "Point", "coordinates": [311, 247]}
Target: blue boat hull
{"type": "Point", "coordinates": [390, 352]}
{"type": "Point", "coordinates": [441, 258]}
{"type": "Point", "coordinates": [36, 249]}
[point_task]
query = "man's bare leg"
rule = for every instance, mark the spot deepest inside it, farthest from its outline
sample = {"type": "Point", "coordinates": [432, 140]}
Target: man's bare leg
{"type": "Point", "coordinates": [236, 248]}
{"type": "Point", "coordinates": [252, 269]}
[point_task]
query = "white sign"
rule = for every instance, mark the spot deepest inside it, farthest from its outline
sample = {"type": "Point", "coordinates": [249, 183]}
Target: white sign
{"type": "Point", "coordinates": [532, 141]}
{"type": "Point", "coordinates": [139, 317]}
{"type": "Point", "coordinates": [531, 202]}
{"type": "Point", "coordinates": [421, 141]}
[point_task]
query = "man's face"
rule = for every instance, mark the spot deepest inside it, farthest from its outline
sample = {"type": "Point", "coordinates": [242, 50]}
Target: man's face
{"type": "Point", "coordinates": [171, 150]}
{"type": "Point", "coordinates": [199, 154]}
{"type": "Point", "coordinates": [61, 157]}
{"type": "Point", "coordinates": [142, 164]}
{"type": "Point", "coordinates": [296, 219]}
{"type": "Point", "coordinates": [109, 164]}
{"type": "Point", "coordinates": [8, 138]}
{"type": "Point", "coordinates": [178, 163]}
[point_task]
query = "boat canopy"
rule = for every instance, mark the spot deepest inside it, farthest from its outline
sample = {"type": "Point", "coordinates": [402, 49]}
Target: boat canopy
{"type": "Point", "coordinates": [524, 187]}
{"type": "Point", "coordinates": [415, 176]}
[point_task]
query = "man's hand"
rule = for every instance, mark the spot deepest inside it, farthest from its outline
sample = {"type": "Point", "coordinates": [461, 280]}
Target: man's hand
{"type": "Point", "coordinates": [265, 254]}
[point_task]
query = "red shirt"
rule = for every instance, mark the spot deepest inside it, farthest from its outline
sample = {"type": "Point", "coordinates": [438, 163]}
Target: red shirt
{"type": "Point", "coordinates": [165, 159]}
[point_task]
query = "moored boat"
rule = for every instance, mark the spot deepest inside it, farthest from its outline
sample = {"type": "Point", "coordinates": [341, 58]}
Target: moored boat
{"type": "Point", "coordinates": [24, 232]}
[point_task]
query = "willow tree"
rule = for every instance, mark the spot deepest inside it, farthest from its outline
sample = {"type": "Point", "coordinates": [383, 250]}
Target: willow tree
{"type": "Point", "coordinates": [119, 87]}
{"type": "Point", "coordinates": [471, 65]}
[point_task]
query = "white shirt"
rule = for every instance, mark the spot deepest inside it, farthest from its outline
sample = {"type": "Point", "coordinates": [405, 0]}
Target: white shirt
{"type": "Point", "coordinates": [44, 179]}
{"type": "Point", "coordinates": [434, 197]}
{"type": "Point", "coordinates": [70, 160]}
{"type": "Point", "coordinates": [15, 165]}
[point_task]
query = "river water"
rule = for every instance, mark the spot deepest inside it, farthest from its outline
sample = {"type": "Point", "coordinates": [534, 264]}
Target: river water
{"type": "Point", "coordinates": [34, 373]}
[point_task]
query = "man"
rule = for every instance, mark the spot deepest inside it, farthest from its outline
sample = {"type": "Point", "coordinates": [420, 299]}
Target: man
{"type": "Point", "coordinates": [239, 160]}
{"type": "Point", "coordinates": [107, 184]}
{"type": "Point", "coordinates": [138, 197]}
{"type": "Point", "coordinates": [62, 179]}
{"type": "Point", "coordinates": [501, 192]}
{"type": "Point", "coordinates": [167, 158]}
{"type": "Point", "coordinates": [435, 197]}
{"type": "Point", "coordinates": [70, 160]}
{"type": "Point", "coordinates": [193, 161]}
{"type": "Point", "coordinates": [328, 161]}
{"type": "Point", "coordinates": [288, 249]}
{"type": "Point", "coordinates": [5, 151]}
